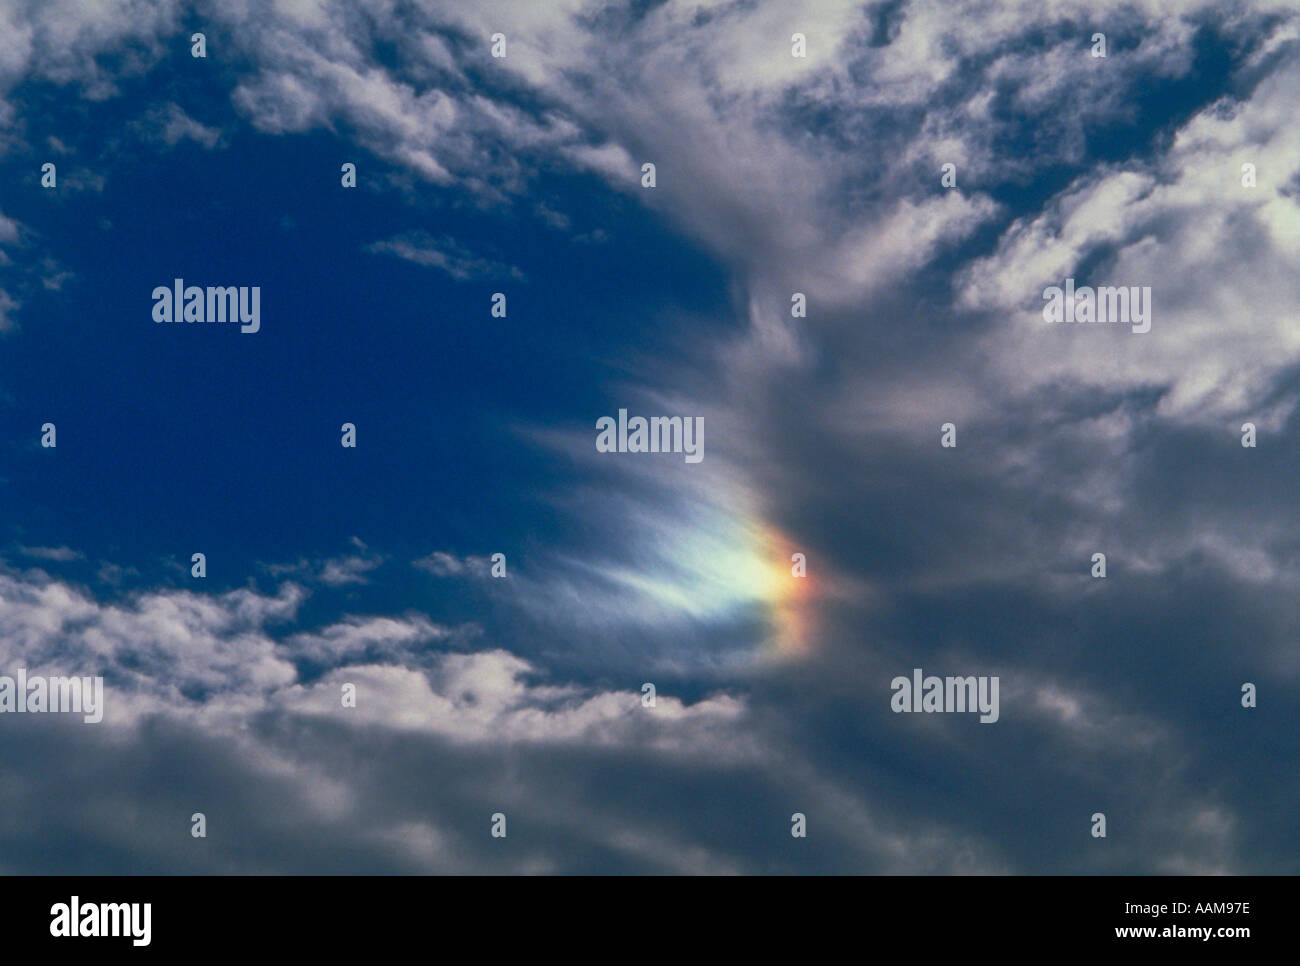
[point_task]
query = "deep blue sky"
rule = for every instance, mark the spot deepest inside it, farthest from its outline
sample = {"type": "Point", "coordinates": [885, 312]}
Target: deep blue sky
{"type": "Point", "coordinates": [178, 436]}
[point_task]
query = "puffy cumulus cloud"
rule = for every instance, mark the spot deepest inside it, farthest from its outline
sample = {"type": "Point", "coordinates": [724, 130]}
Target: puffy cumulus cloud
{"type": "Point", "coordinates": [62, 42]}
{"type": "Point", "coordinates": [422, 109]}
{"type": "Point", "coordinates": [486, 696]}
{"type": "Point", "coordinates": [824, 166]}
{"type": "Point", "coordinates": [819, 169]}
{"type": "Point", "coordinates": [159, 649]}
{"type": "Point", "coordinates": [354, 637]}
{"type": "Point", "coordinates": [815, 165]}
{"type": "Point", "coordinates": [178, 652]}
{"type": "Point", "coordinates": [208, 692]}
{"type": "Point", "coordinates": [1217, 256]}
{"type": "Point", "coordinates": [269, 756]}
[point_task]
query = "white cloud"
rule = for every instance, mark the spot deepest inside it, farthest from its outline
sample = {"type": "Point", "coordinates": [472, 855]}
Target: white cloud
{"type": "Point", "coordinates": [57, 554]}
{"type": "Point", "coordinates": [446, 254]}
{"type": "Point", "coordinates": [340, 571]}
{"type": "Point", "coordinates": [171, 125]}
{"type": "Point", "coordinates": [1218, 257]}
{"type": "Point", "coordinates": [355, 637]}
{"type": "Point", "coordinates": [443, 564]}
{"type": "Point", "coordinates": [8, 306]}
{"type": "Point", "coordinates": [219, 659]}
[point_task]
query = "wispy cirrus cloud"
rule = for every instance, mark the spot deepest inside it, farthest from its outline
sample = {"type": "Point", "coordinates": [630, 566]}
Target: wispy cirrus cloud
{"type": "Point", "coordinates": [445, 254]}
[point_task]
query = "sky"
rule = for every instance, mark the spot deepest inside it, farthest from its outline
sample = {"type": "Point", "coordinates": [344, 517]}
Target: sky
{"type": "Point", "coordinates": [521, 694]}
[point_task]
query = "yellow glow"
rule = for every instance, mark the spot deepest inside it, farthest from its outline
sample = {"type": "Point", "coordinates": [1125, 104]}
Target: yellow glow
{"type": "Point", "coordinates": [788, 597]}
{"type": "Point", "coordinates": [719, 564]}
